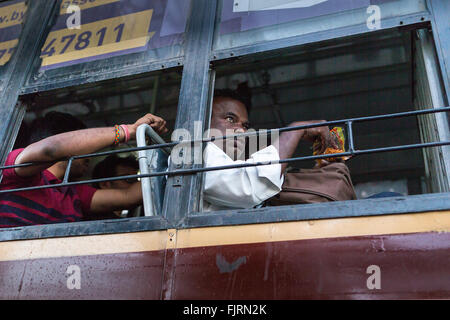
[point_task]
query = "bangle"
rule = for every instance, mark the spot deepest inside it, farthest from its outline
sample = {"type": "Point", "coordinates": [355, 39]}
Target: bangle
{"type": "Point", "coordinates": [127, 132]}
{"type": "Point", "coordinates": [117, 135]}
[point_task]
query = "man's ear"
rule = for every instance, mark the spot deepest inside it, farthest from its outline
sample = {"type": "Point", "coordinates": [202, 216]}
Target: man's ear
{"type": "Point", "coordinates": [105, 185]}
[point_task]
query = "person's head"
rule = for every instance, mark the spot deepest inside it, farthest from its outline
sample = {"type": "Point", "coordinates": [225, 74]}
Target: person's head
{"type": "Point", "coordinates": [115, 166]}
{"type": "Point", "coordinates": [54, 123]}
{"type": "Point", "coordinates": [229, 116]}
{"type": "Point", "coordinates": [22, 136]}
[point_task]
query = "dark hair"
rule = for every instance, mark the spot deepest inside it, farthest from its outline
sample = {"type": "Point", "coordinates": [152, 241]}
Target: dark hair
{"type": "Point", "coordinates": [22, 136]}
{"type": "Point", "coordinates": [52, 124]}
{"type": "Point", "coordinates": [242, 94]}
{"type": "Point", "coordinates": [107, 167]}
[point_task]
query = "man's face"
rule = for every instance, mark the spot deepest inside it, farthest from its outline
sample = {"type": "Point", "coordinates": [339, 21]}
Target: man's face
{"type": "Point", "coordinates": [121, 184]}
{"type": "Point", "coordinates": [79, 168]}
{"type": "Point", "coordinates": [230, 117]}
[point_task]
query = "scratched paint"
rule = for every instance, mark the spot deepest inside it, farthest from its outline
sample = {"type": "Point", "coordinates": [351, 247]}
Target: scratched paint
{"type": "Point", "coordinates": [228, 267]}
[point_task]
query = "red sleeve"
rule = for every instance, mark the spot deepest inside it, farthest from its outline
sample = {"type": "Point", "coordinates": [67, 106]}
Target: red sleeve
{"type": "Point", "coordinates": [86, 193]}
{"type": "Point", "coordinates": [10, 176]}
{"type": "Point", "coordinates": [10, 161]}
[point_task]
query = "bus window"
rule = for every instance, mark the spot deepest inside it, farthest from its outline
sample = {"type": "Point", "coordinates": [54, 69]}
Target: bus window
{"type": "Point", "coordinates": [106, 104]}
{"type": "Point", "coordinates": [363, 77]}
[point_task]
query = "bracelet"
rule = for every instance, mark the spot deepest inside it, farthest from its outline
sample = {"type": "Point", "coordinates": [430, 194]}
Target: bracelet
{"type": "Point", "coordinates": [127, 132]}
{"type": "Point", "coordinates": [117, 135]}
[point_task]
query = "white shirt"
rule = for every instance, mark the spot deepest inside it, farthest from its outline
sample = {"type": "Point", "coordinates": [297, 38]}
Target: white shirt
{"type": "Point", "coordinates": [240, 187]}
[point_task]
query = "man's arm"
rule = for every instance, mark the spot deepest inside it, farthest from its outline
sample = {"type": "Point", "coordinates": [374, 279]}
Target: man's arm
{"type": "Point", "coordinates": [241, 187]}
{"type": "Point", "coordinates": [65, 145]}
{"type": "Point", "coordinates": [107, 200]}
{"type": "Point", "coordinates": [288, 141]}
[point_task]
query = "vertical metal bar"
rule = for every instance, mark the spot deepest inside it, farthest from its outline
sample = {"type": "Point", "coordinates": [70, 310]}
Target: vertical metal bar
{"type": "Point", "coordinates": [145, 157]}
{"type": "Point", "coordinates": [143, 166]}
{"type": "Point", "coordinates": [212, 83]}
{"type": "Point", "coordinates": [67, 172]}
{"type": "Point", "coordinates": [183, 193]}
{"type": "Point", "coordinates": [19, 67]}
{"type": "Point", "coordinates": [351, 144]}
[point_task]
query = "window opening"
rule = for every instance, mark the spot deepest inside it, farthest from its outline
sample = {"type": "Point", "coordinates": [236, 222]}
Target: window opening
{"type": "Point", "coordinates": [105, 104]}
{"type": "Point", "coordinates": [364, 76]}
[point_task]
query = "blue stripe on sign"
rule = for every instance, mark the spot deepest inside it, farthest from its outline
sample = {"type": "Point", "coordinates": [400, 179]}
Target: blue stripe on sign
{"type": "Point", "coordinates": [9, 3]}
{"type": "Point", "coordinates": [10, 33]}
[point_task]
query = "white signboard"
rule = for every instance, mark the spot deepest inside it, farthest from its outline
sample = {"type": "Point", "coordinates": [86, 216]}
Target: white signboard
{"type": "Point", "coordinates": [261, 5]}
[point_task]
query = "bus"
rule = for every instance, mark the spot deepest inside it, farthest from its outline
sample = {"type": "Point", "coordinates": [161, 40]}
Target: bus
{"type": "Point", "coordinates": [380, 68]}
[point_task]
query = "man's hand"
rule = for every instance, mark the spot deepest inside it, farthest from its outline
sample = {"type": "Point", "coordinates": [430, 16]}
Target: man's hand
{"type": "Point", "coordinates": [289, 140]}
{"type": "Point", "coordinates": [321, 133]}
{"type": "Point", "coordinates": [158, 124]}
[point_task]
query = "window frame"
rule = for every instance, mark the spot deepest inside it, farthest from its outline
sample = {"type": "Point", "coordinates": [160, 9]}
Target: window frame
{"type": "Point", "coordinates": [195, 103]}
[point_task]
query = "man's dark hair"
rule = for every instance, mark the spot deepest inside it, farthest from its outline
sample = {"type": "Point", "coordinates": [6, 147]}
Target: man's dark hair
{"type": "Point", "coordinates": [53, 123]}
{"type": "Point", "coordinates": [107, 167]}
{"type": "Point", "coordinates": [22, 136]}
{"type": "Point", "coordinates": [242, 94]}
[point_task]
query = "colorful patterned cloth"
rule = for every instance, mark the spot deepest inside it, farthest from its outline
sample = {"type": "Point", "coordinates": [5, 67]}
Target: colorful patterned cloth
{"type": "Point", "coordinates": [338, 135]}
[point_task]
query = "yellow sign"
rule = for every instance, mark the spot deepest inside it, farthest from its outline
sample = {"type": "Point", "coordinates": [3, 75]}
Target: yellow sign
{"type": "Point", "coordinates": [11, 17]}
{"type": "Point", "coordinates": [98, 38]}
{"type": "Point", "coordinates": [7, 48]}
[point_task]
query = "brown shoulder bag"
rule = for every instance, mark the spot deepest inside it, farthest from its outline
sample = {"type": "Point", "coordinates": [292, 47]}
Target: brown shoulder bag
{"type": "Point", "coordinates": [329, 183]}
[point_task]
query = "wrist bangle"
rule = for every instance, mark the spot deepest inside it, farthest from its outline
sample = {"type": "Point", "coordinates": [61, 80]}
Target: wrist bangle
{"type": "Point", "coordinates": [127, 132]}
{"type": "Point", "coordinates": [116, 135]}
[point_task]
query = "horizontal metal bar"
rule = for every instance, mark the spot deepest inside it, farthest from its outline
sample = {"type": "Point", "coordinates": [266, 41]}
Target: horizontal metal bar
{"type": "Point", "coordinates": [285, 129]}
{"type": "Point", "coordinates": [244, 165]}
{"type": "Point", "coordinates": [247, 134]}
{"type": "Point", "coordinates": [316, 125]}
{"type": "Point", "coordinates": [93, 155]}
